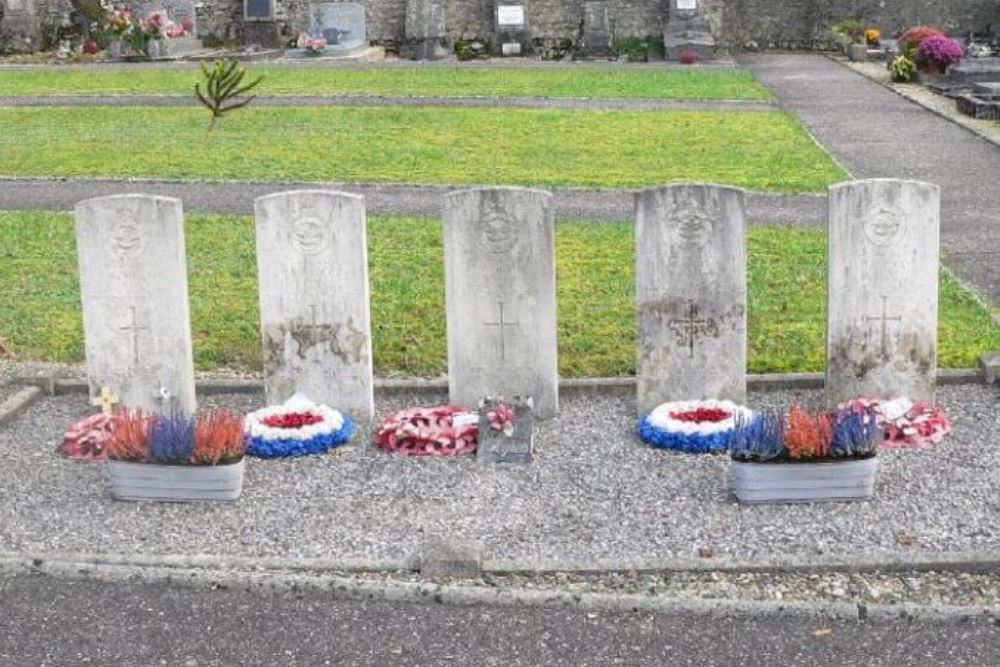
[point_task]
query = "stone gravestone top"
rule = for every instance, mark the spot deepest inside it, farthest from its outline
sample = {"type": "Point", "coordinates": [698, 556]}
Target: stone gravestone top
{"type": "Point", "coordinates": [506, 430]}
{"type": "Point", "coordinates": [20, 26]}
{"type": "Point", "coordinates": [425, 30]}
{"type": "Point", "coordinates": [133, 288]}
{"type": "Point", "coordinates": [882, 290]}
{"type": "Point", "coordinates": [687, 29]}
{"type": "Point", "coordinates": [510, 30]}
{"type": "Point", "coordinates": [312, 263]}
{"type": "Point", "coordinates": [501, 300]}
{"type": "Point", "coordinates": [691, 294]}
{"type": "Point", "coordinates": [595, 39]}
{"type": "Point", "coordinates": [342, 24]}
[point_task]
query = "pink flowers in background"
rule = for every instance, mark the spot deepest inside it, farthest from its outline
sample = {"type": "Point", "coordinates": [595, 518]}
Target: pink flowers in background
{"type": "Point", "coordinates": [119, 21]}
{"type": "Point", "coordinates": [86, 439]}
{"type": "Point", "coordinates": [502, 418]}
{"type": "Point", "coordinates": [311, 44]}
{"type": "Point", "coordinates": [940, 51]}
{"type": "Point", "coordinates": [905, 424]}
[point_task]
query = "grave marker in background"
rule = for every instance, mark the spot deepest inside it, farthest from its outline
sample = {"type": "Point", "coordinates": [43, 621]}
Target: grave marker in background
{"type": "Point", "coordinates": [342, 24]}
{"type": "Point", "coordinates": [312, 259]}
{"type": "Point", "coordinates": [501, 301]}
{"type": "Point", "coordinates": [133, 288]}
{"type": "Point", "coordinates": [691, 294]}
{"type": "Point", "coordinates": [882, 290]}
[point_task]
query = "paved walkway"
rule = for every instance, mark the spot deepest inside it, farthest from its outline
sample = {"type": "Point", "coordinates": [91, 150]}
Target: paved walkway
{"type": "Point", "coordinates": [382, 198]}
{"type": "Point", "coordinates": [875, 133]}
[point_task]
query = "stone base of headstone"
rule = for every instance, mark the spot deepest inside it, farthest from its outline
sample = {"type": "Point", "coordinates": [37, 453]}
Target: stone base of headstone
{"type": "Point", "coordinates": [496, 446]}
{"type": "Point", "coordinates": [262, 33]}
{"type": "Point", "coordinates": [989, 364]}
{"type": "Point", "coordinates": [20, 33]}
{"type": "Point", "coordinates": [975, 70]}
{"type": "Point", "coordinates": [688, 35]}
{"type": "Point", "coordinates": [447, 558]}
{"type": "Point", "coordinates": [180, 47]}
{"type": "Point", "coordinates": [368, 54]}
{"type": "Point", "coordinates": [432, 48]}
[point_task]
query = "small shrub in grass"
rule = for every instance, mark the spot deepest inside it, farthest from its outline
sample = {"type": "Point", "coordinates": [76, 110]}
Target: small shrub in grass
{"type": "Point", "coordinates": [223, 87]}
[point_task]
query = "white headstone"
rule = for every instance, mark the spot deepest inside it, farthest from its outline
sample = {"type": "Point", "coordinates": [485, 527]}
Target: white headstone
{"type": "Point", "coordinates": [691, 294]}
{"type": "Point", "coordinates": [133, 287]}
{"type": "Point", "coordinates": [342, 24]}
{"type": "Point", "coordinates": [312, 263]}
{"type": "Point", "coordinates": [501, 296]}
{"type": "Point", "coordinates": [882, 290]}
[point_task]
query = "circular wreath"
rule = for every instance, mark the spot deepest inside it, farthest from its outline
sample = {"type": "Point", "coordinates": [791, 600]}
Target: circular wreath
{"type": "Point", "coordinates": [280, 430]}
{"type": "Point", "coordinates": [695, 427]}
{"type": "Point", "coordinates": [427, 432]}
{"type": "Point", "coordinates": [905, 424]}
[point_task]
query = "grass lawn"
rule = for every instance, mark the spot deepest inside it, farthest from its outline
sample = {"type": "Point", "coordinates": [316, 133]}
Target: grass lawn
{"type": "Point", "coordinates": [579, 82]}
{"type": "Point", "coordinates": [40, 303]}
{"type": "Point", "coordinates": [757, 150]}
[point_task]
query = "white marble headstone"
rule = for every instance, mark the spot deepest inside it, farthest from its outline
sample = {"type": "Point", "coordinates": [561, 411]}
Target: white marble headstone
{"type": "Point", "coordinates": [882, 290]}
{"type": "Point", "coordinates": [134, 291]}
{"type": "Point", "coordinates": [501, 296]}
{"type": "Point", "coordinates": [691, 294]}
{"type": "Point", "coordinates": [312, 263]}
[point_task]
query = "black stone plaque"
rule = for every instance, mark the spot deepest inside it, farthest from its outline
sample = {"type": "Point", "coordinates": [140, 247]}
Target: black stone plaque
{"type": "Point", "coordinates": [259, 10]}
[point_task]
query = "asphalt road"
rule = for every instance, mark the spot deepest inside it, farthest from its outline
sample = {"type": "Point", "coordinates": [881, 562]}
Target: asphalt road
{"type": "Point", "coordinates": [49, 621]}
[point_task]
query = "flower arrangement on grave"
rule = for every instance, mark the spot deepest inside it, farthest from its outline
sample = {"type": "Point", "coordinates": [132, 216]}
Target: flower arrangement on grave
{"type": "Point", "coordinates": [872, 36]}
{"type": "Point", "coordinates": [502, 418]}
{"type": "Point", "coordinates": [937, 52]}
{"type": "Point", "coordinates": [912, 38]}
{"type": "Point", "coordinates": [313, 46]}
{"type": "Point", "coordinates": [902, 68]}
{"type": "Point", "coordinates": [211, 439]}
{"type": "Point", "coordinates": [158, 26]}
{"type": "Point", "coordinates": [688, 57]}
{"type": "Point", "coordinates": [118, 21]}
{"type": "Point", "coordinates": [695, 427]}
{"type": "Point", "coordinates": [86, 439]}
{"type": "Point", "coordinates": [798, 435]}
{"type": "Point", "coordinates": [444, 430]}
{"type": "Point", "coordinates": [297, 428]}
{"type": "Point", "coordinates": [905, 424]}
{"type": "Point", "coordinates": [801, 456]}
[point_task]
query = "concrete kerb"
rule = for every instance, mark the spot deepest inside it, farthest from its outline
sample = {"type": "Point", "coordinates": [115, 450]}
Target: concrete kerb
{"type": "Point", "coordinates": [19, 402]}
{"type": "Point", "coordinates": [352, 589]}
{"type": "Point", "coordinates": [568, 387]}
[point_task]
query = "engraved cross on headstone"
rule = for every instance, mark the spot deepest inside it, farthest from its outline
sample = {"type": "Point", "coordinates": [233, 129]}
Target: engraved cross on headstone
{"type": "Point", "coordinates": [135, 329]}
{"type": "Point", "coordinates": [105, 400]}
{"type": "Point", "coordinates": [314, 327]}
{"type": "Point", "coordinates": [692, 328]}
{"type": "Point", "coordinates": [500, 324]}
{"type": "Point", "coordinates": [885, 319]}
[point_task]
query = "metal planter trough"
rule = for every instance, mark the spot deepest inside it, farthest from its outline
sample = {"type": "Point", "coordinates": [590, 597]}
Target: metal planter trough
{"type": "Point", "coordinates": [804, 482]}
{"type": "Point", "coordinates": [175, 483]}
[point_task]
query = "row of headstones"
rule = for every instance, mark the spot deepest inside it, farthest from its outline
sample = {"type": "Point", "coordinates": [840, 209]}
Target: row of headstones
{"type": "Point", "coordinates": [500, 293]}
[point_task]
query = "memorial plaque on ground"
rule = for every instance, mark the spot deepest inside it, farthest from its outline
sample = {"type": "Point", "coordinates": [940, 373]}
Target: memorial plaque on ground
{"type": "Point", "coordinates": [882, 290]}
{"type": "Point", "coordinates": [510, 29]}
{"type": "Point", "coordinates": [133, 288]}
{"type": "Point", "coordinates": [501, 299]}
{"type": "Point", "coordinates": [342, 24]}
{"type": "Point", "coordinates": [506, 431]}
{"type": "Point", "coordinates": [691, 294]}
{"type": "Point", "coordinates": [312, 263]}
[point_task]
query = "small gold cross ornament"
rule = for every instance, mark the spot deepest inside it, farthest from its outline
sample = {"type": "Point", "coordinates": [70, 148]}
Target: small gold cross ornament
{"type": "Point", "coordinates": [105, 400]}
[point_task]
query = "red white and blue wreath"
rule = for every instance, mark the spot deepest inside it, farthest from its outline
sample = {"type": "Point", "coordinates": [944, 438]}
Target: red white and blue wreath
{"type": "Point", "coordinates": [297, 428]}
{"type": "Point", "coordinates": [696, 427]}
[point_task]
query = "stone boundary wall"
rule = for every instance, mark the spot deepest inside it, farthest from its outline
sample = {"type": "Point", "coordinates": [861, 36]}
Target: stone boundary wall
{"type": "Point", "coordinates": [739, 24]}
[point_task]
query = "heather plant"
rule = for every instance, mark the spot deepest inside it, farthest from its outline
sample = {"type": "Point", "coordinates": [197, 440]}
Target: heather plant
{"type": "Point", "coordinates": [802, 436]}
{"type": "Point", "coordinates": [223, 86]}
{"type": "Point", "coordinates": [171, 440]}
{"type": "Point", "coordinates": [807, 435]}
{"type": "Point", "coordinates": [940, 51]}
{"type": "Point", "coordinates": [219, 438]}
{"type": "Point", "coordinates": [856, 433]}
{"type": "Point", "coordinates": [760, 438]}
{"type": "Point", "coordinates": [129, 438]}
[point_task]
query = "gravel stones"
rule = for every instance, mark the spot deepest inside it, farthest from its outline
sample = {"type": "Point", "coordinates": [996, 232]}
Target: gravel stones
{"type": "Point", "coordinates": [594, 494]}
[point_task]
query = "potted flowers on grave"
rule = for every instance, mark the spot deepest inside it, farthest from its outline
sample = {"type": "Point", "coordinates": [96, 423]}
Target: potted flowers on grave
{"type": "Point", "coordinates": [805, 457]}
{"type": "Point", "coordinates": [299, 427]}
{"type": "Point", "coordinates": [175, 458]}
{"type": "Point", "coordinates": [937, 52]}
{"type": "Point", "coordinates": [313, 46]}
{"type": "Point", "coordinates": [696, 427]}
{"type": "Point", "coordinates": [117, 26]}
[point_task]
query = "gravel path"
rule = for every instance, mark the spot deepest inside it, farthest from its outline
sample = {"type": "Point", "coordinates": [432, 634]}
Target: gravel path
{"type": "Point", "coordinates": [392, 101]}
{"type": "Point", "coordinates": [594, 493]}
{"type": "Point", "coordinates": [55, 194]}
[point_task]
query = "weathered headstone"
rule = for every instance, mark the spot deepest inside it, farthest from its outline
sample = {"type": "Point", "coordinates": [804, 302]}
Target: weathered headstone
{"type": "Point", "coordinates": [133, 287]}
{"type": "Point", "coordinates": [426, 37]}
{"type": "Point", "coordinates": [595, 36]}
{"type": "Point", "coordinates": [260, 24]}
{"type": "Point", "coordinates": [510, 28]}
{"type": "Point", "coordinates": [691, 294]}
{"type": "Point", "coordinates": [687, 29]}
{"type": "Point", "coordinates": [20, 28]}
{"type": "Point", "coordinates": [342, 24]}
{"type": "Point", "coordinates": [882, 290]}
{"type": "Point", "coordinates": [506, 430]}
{"type": "Point", "coordinates": [312, 261]}
{"type": "Point", "coordinates": [501, 298]}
